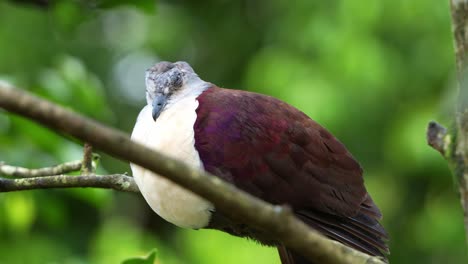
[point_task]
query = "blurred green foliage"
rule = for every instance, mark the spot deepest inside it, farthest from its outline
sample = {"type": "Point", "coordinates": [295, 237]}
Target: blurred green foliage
{"type": "Point", "coordinates": [373, 72]}
{"type": "Point", "coordinates": [150, 259]}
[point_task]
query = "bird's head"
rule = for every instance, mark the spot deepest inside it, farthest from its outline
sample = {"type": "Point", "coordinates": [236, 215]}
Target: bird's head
{"type": "Point", "coordinates": [166, 82]}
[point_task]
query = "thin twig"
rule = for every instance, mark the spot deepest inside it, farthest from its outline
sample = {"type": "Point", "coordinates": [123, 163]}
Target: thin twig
{"type": "Point", "coordinates": [20, 172]}
{"type": "Point", "coordinates": [117, 182]}
{"type": "Point", "coordinates": [437, 137]}
{"type": "Point", "coordinates": [87, 165]}
{"type": "Point", "coordinates": [280, 224]}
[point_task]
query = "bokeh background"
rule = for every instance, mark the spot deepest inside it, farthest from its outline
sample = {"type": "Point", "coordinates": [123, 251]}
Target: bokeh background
{"type": "Point", "coordinates": [373, 72]}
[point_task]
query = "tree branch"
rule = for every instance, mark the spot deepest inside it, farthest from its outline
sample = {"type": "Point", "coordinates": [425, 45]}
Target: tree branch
{"type": "Point", "coordinates": [118, 182]}
{"type": "Point", "coordinates": [20, 172]}
{"type": "Point", "coordinates": [459, 155]}
{"type": "Point", "coordinates": [236, 204]}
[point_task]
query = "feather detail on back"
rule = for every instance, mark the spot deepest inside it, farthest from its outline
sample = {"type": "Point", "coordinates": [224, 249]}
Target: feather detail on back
{"type": "Point", "coordinates": [277, 153]}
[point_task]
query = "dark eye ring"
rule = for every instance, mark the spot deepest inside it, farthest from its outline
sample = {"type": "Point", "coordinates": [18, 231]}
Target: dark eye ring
{"type": "Point", "coordinates": [177, 79]}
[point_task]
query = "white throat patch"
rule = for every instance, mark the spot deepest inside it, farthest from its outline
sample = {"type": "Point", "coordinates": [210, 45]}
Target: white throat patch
{"type": "Point", "coordinates": [172, 134]}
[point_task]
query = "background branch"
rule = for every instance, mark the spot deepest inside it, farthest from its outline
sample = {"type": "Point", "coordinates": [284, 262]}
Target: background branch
{"type": "Point", "coordinates": [20, 172]}
{"type": "Point", "coordinates": [117, 182]}
{"type": "Point", "coordinates": [458, 155]}
{"type": "Point", "coordinates": [238, 205]}
{"type": "Point", "coordinates": [87, 164]}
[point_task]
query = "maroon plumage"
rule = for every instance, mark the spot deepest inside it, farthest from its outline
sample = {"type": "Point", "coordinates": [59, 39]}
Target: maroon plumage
{"type": "Point", "coordinates": [277, 153]}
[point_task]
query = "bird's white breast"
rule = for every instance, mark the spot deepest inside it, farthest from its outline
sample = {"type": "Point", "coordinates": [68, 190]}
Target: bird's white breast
{"type": "Point", "coordinates": [172, 134]}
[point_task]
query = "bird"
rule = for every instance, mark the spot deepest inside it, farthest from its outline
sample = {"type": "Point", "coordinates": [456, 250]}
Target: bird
{"type": "Point", "coordinates": [259, 144]}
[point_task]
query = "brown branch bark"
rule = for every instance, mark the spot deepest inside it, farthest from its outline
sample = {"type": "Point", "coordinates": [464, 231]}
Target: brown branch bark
{"type": "Point", "coordinates": [279, 222]}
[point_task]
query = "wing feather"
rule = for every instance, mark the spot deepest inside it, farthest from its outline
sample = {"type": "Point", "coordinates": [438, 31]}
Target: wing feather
{"type": "Point", "coordinates": [277, 153]}
{"type": "Point", "coordinates": [255, 140]}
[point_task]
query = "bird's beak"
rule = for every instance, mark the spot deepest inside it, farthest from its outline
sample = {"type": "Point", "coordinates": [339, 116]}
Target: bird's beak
{"type": "Point", "coordinates": [158, 105]}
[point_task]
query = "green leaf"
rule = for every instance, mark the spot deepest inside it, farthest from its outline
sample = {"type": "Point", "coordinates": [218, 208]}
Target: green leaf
{"type": "Point", "coordinates": [150, 259]}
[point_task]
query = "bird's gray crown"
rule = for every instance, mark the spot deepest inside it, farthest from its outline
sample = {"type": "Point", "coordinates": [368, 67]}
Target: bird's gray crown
{"type": "Point", "coordinates": [167, 83]}
{"type": "Point", "coordinates": [166, 77]}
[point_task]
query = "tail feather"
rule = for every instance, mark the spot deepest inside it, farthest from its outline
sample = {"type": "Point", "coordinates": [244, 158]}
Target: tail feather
{"type": "Point", "coordinates": [348, 231]}
{"type": "Point", "coordinates": [362, 232]}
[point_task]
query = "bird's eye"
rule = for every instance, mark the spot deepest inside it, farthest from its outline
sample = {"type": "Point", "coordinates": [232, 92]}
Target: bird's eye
{"type": "Point", "coordinates": [176, 79]}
